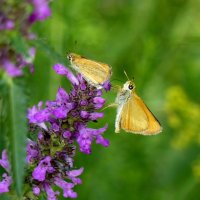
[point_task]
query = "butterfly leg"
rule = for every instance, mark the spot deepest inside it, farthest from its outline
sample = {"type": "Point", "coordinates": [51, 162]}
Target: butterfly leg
{"type": "Point", "coordinates": [118, 119]}
{"type": "Point", "coordinates": [111, 105]}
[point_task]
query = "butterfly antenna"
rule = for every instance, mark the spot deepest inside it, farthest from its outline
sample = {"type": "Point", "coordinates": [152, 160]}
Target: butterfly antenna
{"type": "Point", "coordinates": [126, 75]}
{"type": "Point", "coordinates": [75, 45]}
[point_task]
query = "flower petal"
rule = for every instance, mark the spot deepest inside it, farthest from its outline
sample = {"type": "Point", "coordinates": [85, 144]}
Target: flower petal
{"type": "Point", "coordinates": [62, 70]}
{"type": "Point", "coordinates": [5, 183]}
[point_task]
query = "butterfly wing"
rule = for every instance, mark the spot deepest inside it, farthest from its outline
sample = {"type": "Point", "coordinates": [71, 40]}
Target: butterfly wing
{"type": "Point", "coordinates": [93, 71]}
{"type": "Point", "coordinates": [137, 118]}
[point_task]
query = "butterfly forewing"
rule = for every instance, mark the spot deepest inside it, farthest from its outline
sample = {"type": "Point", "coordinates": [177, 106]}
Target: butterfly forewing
{"type": "Point", "coordinates": [96, 73]}
{"type": "Point", "coordinates": [137, 118]}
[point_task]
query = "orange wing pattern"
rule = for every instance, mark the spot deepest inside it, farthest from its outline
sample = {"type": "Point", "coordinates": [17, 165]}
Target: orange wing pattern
{"type": "Point", "coordinates": [137, 118]}
{"type": "Point", "coordinates": [94, 71]}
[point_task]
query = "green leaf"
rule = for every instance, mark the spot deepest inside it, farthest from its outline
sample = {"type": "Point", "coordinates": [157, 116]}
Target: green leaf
{"type": "Point", "coordinates": [19, 44]}
{"type": "Point", "coordinates": [6, 197]}
{"type": "Point", "coordinates": [2, 122]}
{"type": "Point", "coordinates": [3, 112]}
{"type": "Point", "coordinates": [14, 102]}
{"type": "Point", "coordinates": [43, 46]}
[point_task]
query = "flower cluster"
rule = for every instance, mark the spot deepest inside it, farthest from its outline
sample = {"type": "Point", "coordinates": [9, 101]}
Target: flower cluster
{"type": "Point", "coordinates": [15, 17]}
{"type": "Point", "coordinates": [7, 180]}
{"type": "Point", "coordinates": [61, 126]}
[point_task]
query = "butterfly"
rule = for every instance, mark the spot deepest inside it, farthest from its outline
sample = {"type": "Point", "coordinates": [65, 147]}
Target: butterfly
{"type": "Point", "coordinates": [95, 73]}
{"type": "Point", "coordinates": [133, 115]}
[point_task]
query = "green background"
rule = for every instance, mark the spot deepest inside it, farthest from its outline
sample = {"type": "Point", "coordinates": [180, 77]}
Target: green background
{"type": "Point", "coordinates": [158, 43]}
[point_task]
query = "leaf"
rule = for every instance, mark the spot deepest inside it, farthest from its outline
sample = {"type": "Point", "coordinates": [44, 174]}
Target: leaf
{"type": "Point", "coordinates": [43, 46]}
{"type": "Point", "coordinates": [2, 114]}
{"type": "Point", "coordinates": [6, 197]}
{"type": "Point", "coordinates": [19, 44]}
{"type": "Point", "coordinates": [2, 127]}
{"type": "Point", "coordinates": [14, 101]}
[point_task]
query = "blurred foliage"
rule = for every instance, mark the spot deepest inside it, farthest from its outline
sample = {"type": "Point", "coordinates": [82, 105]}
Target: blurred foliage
{"type": "Point", "coordinates": [157, 42]}
{"type": "Point", "coordinates": [13, 126]}
{"type": "Point", "coordinates": [182, 116]}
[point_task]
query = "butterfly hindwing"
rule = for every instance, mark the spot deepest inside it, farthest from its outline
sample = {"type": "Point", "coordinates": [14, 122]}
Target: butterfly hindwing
{"type": "Point", "coordinates": [137, 118]}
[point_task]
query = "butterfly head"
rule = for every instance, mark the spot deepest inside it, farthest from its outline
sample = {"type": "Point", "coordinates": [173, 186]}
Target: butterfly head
{"type": "Point", "coordinates": [72, 56]}
{"type": "Point", "coordinates": [129, 85]}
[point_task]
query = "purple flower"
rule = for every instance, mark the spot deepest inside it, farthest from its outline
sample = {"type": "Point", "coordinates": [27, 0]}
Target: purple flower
{"type": "Point", "coordinates": [4, 161]}
{"type": "Point", "coordinates": [19, 21]}
{"type": "Point", "coordinates": [98, 102]}
{"type": "Point", "coordinates": [7, 180]}
{"type": "Point", "coordinates": [11, 68]}
{"type": "Point", "coordinates": [102, 141]}
{"type": "Point", "coordinates": [40, 171]}
{"type": "Point", "coordinates": [61, 106]}
{"type": "Point", "coordinates": [73, 175]}
{"type": "Point", "coordinates": [41, 10]}
{"type": "Point", "coordinates": [38, 116]}
{"type": "Point", "coordinates": [87, 135]}
{"type": "Point", "coordinates": [23, 61]}
{"type": "Point", "coordinates": [60, 125]}
{"type": "Point", "coordinates": [67, 188]}
{"type": "Point", "coordinates": [5, 23]}
{"type": "Point", "coordinates": [62, 70]}
{"type": "Point", "coordinates": [95, 115]}
{"type": "Point", "coordinates": [91, 116]}
{"type": "Point", "coordinates": [5, 183]}
{"type": "Point", "coordinates": [107, 86]}
{"type": "Point", "coordinates": [62, 95]}
{"type": "Point", "coordinates": [69, 106]}
{"type": "Point", "coordinates": [51, 195]}
{"type": "Point", "coordinates": [67, 134]}
{"type": "Point", "coordinates": [32, 151]}
{"type": "Point", "coordinates": [55, 127]}
{"type": "Point", "coordinates": [36, 190]}
{"type": "Point", "coordinates": [84, 114]}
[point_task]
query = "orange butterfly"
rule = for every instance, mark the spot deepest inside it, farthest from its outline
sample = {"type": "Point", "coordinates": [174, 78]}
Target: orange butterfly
{"type": "Point", "coordinates": [132, 113]}
{"type": "Point", "coordinates": [95, 73]}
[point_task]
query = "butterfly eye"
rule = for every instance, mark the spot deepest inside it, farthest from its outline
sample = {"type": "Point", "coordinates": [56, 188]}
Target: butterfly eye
{"type": "Point", "coordinates": [130, 87]}
{"type": "Point", "coordinates": [69, 57]}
